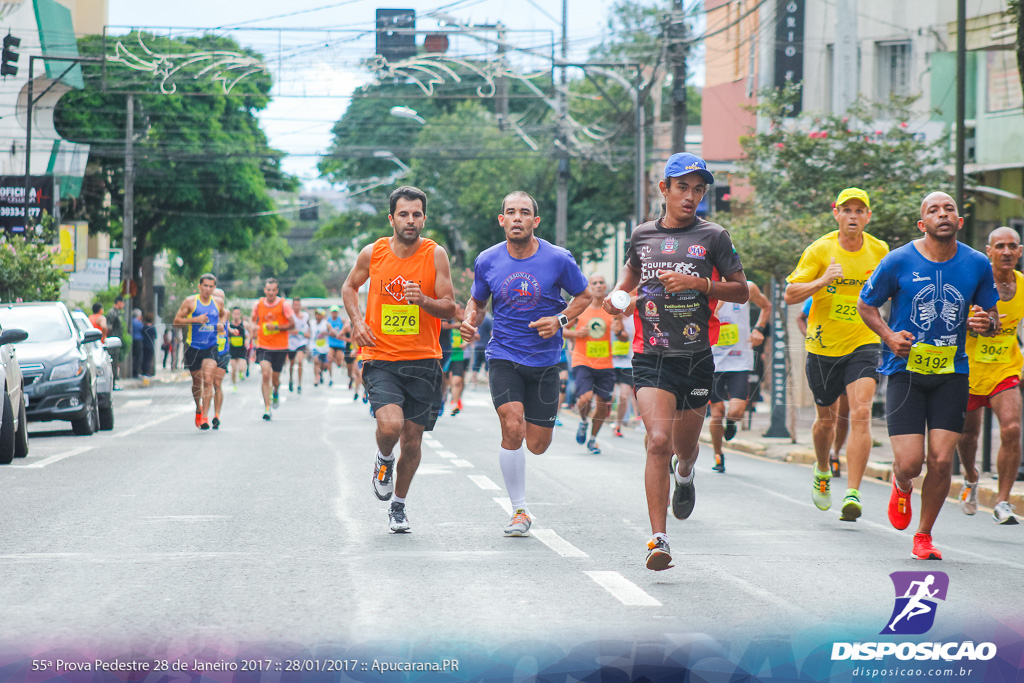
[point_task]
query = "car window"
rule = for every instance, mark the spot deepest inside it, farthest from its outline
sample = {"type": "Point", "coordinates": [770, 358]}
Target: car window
{"type": "Point", "coordinates": [43, 323]}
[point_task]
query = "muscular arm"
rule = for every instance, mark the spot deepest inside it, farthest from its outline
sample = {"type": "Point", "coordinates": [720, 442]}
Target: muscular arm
{"type": "Point", "coordinates": [762, 302]}
{"type": "Point", "coordinates": [899, 342]}
{"type": "Point", "coordinates": [443, 306]}
{"type": "Point", "coordinates": [182, 317]}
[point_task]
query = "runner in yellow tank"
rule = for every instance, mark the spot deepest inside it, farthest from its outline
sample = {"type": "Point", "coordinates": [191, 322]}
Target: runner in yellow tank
{"type": "Point", "coordinates": [996, 364]}
{"type": "Point", "coordinates": [842, 353]}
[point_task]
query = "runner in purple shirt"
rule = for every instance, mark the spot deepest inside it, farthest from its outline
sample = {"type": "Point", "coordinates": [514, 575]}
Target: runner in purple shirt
{"type": "Point", "coordinates": [524, 277]}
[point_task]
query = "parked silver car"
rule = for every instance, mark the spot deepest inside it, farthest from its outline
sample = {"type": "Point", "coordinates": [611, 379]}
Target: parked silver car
{"type": "Point", "coordinates": [104, 369]}
{"type": "Point", "coordinates": [58, 371]}
{"type": "Point", "coordinates": [13, 423]}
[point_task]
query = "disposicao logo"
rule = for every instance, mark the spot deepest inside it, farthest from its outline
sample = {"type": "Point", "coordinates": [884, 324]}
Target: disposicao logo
{"type": "Point", "coordinates": [917, 598]}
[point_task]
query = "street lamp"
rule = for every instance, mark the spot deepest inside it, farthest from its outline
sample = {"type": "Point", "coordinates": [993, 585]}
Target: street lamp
{"type": "Point", "coordinates": [406, 113]}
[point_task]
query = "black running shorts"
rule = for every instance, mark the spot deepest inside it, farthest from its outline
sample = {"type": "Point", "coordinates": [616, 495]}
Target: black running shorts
{"type": "Point", "coordinates": [458, 367]}
{"type": "Point", "coordinates": [194, 357]}
{"type": "Point", "coordinates": [730, 385]}
{"type": "Point", "coordinates": [223, 361]}
{"type": "Point", "coordinates": [624, 376]}
{"type": "Point", "coordinates": [689, 378]}
{"type": "Point", "coordinates": [535, 387]}
{"type": "Point", "coordinates": [601, 382]}
{"type": "Point", "coordinates": [916, 403]}
{"type": "Point", "coordinates": [291, 352]}
{"type": "Point", "coordinates": [412, 385]}
{"type": "Point", "coordinates": [276, 358]}
{"type": "Point", "coordinates": [828, 376]}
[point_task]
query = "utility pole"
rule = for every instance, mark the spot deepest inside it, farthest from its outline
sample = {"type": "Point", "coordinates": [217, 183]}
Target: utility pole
{"type": "Point", "coordinates": [501, 83]}
{"type": "Point", "coordinates": [961, 103]}
{"type": "Point", "coordinates": [676, 33]}
{"type": "Point", "coordinates": [844, 62]}
{"type": "Point", "coordinates": [127, 265]}
{"type": "Point", "coordinates": [562, 191]}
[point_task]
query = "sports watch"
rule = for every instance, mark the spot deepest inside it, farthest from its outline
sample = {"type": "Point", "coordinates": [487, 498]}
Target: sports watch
{"type": "Point", "coordinates": [563, 320]}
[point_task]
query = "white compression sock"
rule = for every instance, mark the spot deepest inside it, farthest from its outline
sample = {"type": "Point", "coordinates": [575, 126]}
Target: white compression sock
{"type": "Point", "coordinates": [513, 469]}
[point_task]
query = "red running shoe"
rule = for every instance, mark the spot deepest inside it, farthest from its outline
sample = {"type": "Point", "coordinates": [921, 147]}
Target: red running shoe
{"type": "Point", "coordinates": [899, 508]}
{"type": "Point", "coordinates": [923, 548]}
{"type": "Point", "coordinates": [199, 420]}
{"type": "Point", "coordinates": [617, 432]}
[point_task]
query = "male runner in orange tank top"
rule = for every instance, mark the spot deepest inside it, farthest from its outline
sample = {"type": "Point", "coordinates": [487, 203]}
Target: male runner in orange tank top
{"type": "Point", "coordinates": [410, 293]}
{"type": "Point", "coordinates": [273, 318]}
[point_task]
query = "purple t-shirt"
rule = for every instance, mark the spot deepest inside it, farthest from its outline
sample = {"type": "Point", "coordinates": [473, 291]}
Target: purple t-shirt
{"type": "Point", "coordinates": [525, 290]}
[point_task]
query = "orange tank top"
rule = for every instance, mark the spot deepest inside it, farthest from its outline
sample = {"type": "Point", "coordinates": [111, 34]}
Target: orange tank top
{"type": "Point", "coordinates": [594, 348]}
{"type": "Point", "coordinates": [266, 339]}
{"type": "Point", "coordinates": [403, 331]}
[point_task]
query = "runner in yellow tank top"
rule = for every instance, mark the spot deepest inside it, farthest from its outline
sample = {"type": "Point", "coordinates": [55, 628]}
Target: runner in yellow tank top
{"type": "Point", "coordinates": [996, 364]}
{"type": "Point", "coordinates": [842, 353]}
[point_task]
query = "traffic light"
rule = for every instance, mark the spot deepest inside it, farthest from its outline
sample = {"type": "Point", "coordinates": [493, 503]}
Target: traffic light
{"type": "Point", "coordinates": [391, 45]}
{"type": "Point", "coordinates": [722, 198]}
{"type": "Point", "coordinates": [9, 60]}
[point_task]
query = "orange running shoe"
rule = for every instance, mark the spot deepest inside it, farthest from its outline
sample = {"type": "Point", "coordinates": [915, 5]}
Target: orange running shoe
{"type": "Point", "coordinates": [923, 548]}
{"type": "Point", "coordinates": [199, 420]}
{"type": "Point", "coordinates": [900, 513]}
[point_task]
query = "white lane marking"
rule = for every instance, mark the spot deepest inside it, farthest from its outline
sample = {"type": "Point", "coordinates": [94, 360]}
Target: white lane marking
{"type": "Point", "coordinates": [53, 458]}
{"type": "Point", "coordinates": [622, 589]}
{"type": "Point", "coordinates": [176, 412]}
{"type": "Point", "coordinates": [137, 403]}
{"type": "Point", "coordinates": [338, 401]}
{"type": "Point", "coordinates": [770, 597]}
{"type": "Point", "coordinates": [446, 454]}
{"type": "Point", "coordinates": [184, 518]}
{"type": "Point", "coordinates": [505, 505]}
{"type": "Point", "coordinates": [561, 546]}
{"type": "Point", "coordinates": [431, 441]}
{"type": "Point", "coordinates": [484, 482]}
{"type": "Point", "coordinates": [462, 463]}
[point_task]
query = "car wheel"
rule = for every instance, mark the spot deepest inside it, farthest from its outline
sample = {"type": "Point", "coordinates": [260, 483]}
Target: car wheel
{"type": "Point", "coordinates": [107, 417]}
{"type": "Point", "coordinates": [87, 424]}
{"type": "Point", "coordinates": [21, 436]}
{"type": "Point", "coordinates": [7, 432]}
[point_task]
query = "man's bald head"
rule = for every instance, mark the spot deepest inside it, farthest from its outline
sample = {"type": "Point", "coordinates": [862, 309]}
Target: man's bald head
{"type": "Point", "coordinates": [942, 196]}
{"type": "Point", "coordinates": [1003, 232]}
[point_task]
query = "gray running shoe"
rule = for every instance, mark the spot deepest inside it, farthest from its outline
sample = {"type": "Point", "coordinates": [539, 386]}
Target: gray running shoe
{"type": "Point", "coordinates": [383, 478]}
{"type": "Point", "coordinates": [1002, 513]}
{"type": "Point", "coordinates": [398, 522]}
{"type": "Point", "coordinates": [969, 498]}
{"type": "Point", "coordinates": [520, 524]}
{"type": "Point", "coordinates": [659, 556]}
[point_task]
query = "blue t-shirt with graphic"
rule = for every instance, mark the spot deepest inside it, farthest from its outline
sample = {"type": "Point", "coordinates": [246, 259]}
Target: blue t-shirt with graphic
{"type": "Point", "coordinates": [931, 300]}
{"type": "Point", "coordinates": [525, 290]}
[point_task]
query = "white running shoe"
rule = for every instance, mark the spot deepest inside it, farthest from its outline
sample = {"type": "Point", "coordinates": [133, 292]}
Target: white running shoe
{"type": "Point", "coordinates": [1002, 513]}
{"type": "Point", "coordinates": [520, 524]}
{"type": "Point", "coordinates": [969, 498]}
{"type": "Point", "coordinates": [383, 478]}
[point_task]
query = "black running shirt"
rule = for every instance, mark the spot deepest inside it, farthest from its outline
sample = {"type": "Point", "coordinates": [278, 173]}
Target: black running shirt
{"type": "Point", "coordinates": [682, 323]}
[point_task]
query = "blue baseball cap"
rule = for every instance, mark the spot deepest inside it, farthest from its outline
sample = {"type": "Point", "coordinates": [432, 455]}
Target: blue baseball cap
{"type": "Point", "coordinates": [682, 163]}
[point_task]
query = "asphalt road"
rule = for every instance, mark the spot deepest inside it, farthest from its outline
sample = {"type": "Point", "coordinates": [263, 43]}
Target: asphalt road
{"type": "Point", "coordinates": [157, 535]}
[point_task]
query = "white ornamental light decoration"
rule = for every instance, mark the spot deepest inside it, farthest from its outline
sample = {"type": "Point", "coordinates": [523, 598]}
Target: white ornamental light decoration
{"type": "Point", "coordinates": [226, 66]}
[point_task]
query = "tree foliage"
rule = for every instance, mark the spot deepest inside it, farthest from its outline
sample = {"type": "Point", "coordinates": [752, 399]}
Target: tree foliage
{"type": "Point", "coordinates": [203, 167]}
{"type": "Point", "coordinates": [797, 167]}
{"type": "Point", "coordinates": [309, 285]}
{"type": "Point", "coordinates": [29, 271]}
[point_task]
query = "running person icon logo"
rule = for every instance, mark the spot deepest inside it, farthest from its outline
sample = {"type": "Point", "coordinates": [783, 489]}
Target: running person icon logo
{"type": "Point", "coordinates": [916, 596]}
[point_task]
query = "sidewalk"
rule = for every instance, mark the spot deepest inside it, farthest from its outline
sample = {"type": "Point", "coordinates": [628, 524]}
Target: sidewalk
{"type": "Point", "coordinates": [879, 466]}
{"type": "Point", "coordinates": [162, 377]}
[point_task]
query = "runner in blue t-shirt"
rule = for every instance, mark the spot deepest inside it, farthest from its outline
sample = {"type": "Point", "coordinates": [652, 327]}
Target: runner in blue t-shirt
{"type": "Point", "coordinates": [524, 277]}
{"type": "Point", "coordinates": [939, 288]}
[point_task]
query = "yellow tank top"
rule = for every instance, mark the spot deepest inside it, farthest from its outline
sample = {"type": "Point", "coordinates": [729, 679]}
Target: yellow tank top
{"type": "Point", "coordinates": [993, 359]}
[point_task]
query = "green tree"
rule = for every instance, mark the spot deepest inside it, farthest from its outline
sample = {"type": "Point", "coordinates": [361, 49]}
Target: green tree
{"type": "Point", "coordinates": [797, 167]}
{"type": "Point", "coordinates": [29, 271]}
{"type": "Point", "coordinates": [309, 285]}
{"type": "Point", "coordinates": [203, 165]}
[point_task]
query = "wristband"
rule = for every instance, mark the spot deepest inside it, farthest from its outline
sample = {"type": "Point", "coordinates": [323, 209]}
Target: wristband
{"type": "Point", "coordinates": [709, 285]}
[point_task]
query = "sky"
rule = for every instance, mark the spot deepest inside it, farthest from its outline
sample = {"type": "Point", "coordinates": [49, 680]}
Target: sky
{"type": "Point", "coordinates": [316, 70]}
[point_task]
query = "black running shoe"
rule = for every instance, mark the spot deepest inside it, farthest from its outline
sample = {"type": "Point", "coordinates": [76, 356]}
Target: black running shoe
{"type": "Point", "coordinates": [683, 498]}
{"type": "Point", "coordinates": [730, 429]}
{"type": "Point", "coordinates": [398, 522]}
{"type": "Point", "coordinates": [659, 557]}
{"type": "Point", "coordinates": [215, 422]}
{"type": "Point", "coordinates": [266, 416]}
{"type": "Point", "coordinates": [833, 464]}
{"type": "Point", "coordinates": [719, 465]}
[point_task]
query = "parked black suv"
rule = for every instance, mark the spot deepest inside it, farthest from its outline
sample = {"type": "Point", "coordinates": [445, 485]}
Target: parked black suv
{"type": "Point", "coordinates": [57, 367]}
